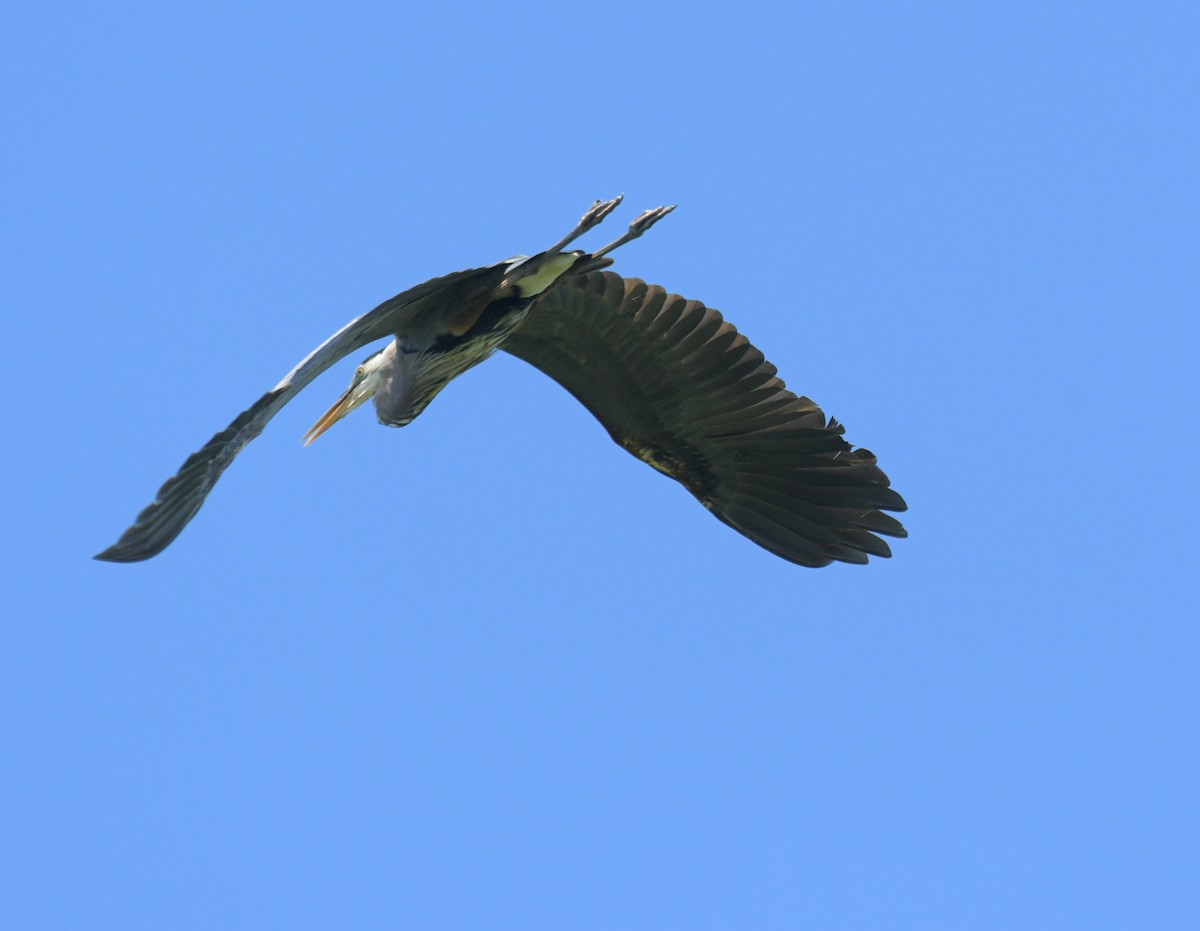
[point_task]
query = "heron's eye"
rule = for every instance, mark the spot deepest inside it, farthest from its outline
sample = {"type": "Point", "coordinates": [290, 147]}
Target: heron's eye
{"type": "Point", "coordinates": [359, 373]}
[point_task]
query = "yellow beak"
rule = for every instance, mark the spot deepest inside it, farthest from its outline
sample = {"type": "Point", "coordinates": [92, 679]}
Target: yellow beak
{"type": "Point", "coordinates": [343, 406]}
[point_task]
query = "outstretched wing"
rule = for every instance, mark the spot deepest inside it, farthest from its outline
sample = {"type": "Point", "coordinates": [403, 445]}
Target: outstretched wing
{"type": "Point", "coordinates": [182, 495]}
{"type": "Point", "coordinates": [681, 389]}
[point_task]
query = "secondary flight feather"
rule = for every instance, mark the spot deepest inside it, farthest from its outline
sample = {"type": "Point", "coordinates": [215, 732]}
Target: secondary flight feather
{"type": "Point", "coordinates": [674, 384]}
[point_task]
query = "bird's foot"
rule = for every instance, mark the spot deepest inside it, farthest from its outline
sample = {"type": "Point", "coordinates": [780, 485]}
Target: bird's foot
{"type": "Point", "coordinates": [597, 212]}
{"type": "Point", "coordinates": [644, 221]}
{"type": "Point", "coordinates": [647, 219]}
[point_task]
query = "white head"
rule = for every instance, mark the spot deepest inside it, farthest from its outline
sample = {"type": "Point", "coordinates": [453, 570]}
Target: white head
{"type": "Point", "coordinates": [366, 381]}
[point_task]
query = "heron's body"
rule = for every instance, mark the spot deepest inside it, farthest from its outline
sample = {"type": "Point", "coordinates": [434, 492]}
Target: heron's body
{"type": "Point", "coordinates": [674, 384]}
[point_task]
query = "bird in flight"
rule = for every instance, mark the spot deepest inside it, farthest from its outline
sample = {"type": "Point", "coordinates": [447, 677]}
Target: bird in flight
{"type": "Point", "coordinates": [673, 383]}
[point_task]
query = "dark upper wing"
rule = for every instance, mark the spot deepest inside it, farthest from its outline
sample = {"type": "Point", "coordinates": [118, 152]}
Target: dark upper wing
{"type": "Point", "coordinates": [680, 388]}
{"type": "Point", "coordinates": [181, 496]}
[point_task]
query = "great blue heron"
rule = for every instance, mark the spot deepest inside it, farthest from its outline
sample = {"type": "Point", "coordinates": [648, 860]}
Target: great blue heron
{"type": "Point", "coordinates": [671, 381]}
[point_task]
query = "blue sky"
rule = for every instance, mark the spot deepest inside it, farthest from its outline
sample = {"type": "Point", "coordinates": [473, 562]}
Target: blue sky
{"type": "Point", "coordinates": [490, 671]}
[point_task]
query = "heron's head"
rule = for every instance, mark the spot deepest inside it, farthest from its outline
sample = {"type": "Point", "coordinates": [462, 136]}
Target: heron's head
{"type": "Point", "coordinates": [403, 380]}
{"type": "Point", "coordinates": [448, 339]}
{"type": "Point", "coordinates": [366, 381]}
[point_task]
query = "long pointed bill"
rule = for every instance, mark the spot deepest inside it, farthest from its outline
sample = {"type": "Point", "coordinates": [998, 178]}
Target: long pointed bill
{"type": "Point", "coordinates": [343, 406]}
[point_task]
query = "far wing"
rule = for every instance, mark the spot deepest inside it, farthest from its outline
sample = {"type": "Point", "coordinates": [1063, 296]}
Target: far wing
{"type": "Point", "coordinates": [678, 387]}
{"type": "Point", "coordinates": [182, 495]}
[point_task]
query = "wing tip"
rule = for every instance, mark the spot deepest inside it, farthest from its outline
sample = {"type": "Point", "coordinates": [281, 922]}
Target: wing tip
{"type": "Point", "coordinates": [126, 553]}
{"type": "Point", "coordinates": [115, 554]}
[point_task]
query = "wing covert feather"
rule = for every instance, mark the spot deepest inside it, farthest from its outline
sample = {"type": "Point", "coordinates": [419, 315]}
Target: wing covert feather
{"type": "Point", "coordinates": [680, 388]}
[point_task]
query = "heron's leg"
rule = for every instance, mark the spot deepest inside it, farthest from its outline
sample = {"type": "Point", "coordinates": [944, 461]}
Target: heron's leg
{"type": "Point", "coordinates": [598, 211]}
{"type": "Point", "coordinates": [647, 219]}
{"type": "Point", "coordinates": [597, 259]}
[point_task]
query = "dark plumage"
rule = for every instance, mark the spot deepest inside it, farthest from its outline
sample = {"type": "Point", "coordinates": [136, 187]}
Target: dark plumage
{"type": "Point", "coordinates": [678, 387]}
{"type": "Point", "coordinates": [672, 382]}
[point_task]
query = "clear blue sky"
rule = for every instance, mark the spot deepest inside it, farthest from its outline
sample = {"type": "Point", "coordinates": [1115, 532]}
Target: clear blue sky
{"type": "Point", "coordinates": [491, 671]}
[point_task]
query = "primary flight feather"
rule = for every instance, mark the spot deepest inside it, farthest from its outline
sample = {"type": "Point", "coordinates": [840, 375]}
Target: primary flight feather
{"type": "Point", "coordinates": [673, 383]}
